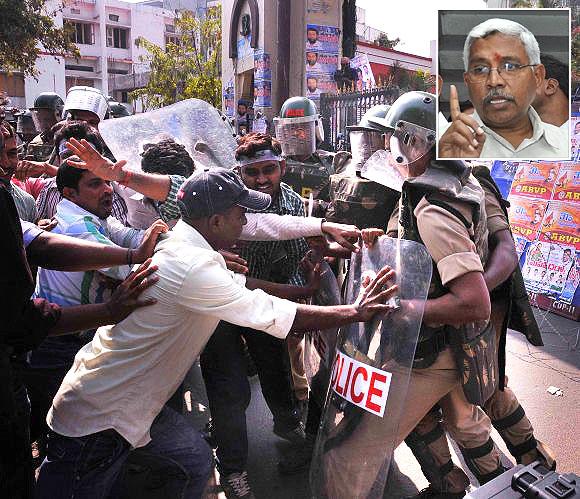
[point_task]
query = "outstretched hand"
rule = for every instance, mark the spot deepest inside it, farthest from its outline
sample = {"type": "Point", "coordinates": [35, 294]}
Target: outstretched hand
{"type": "Point", "coordinates": [125, 298]}
{"type": "Point", "coordinates": [92, 160]}
{"type": "Point", "coordinates": [345, 235]}
{"type": "Point", "coordinates": [375, 293]}
{"type": "Point", "coordinates": [464, 138]}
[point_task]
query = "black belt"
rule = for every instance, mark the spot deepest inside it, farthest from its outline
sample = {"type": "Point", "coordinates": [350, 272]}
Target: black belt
{"type": "Point", "coordinates": [432, 345]}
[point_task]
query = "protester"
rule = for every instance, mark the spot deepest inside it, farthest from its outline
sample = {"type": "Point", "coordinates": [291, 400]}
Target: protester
{"type": "Point", "coordinates": [108, 412]}
{"type": "Point", "coordinates": [8, 163]}
{"type": "Point", "coordinates": [504, 124]}
{"type": "Point", "coordinates": [223, 361]}
{"type": "Point", "coordinates": [26, 322]}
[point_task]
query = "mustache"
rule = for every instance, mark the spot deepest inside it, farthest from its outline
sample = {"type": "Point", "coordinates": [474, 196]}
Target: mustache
{"type": "Point", "coordinates": [494, 94]}
{"type": "Point", "coordinates": [106, 199]}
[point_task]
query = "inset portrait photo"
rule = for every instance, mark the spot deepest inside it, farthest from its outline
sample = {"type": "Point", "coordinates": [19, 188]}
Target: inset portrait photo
{"type": "Point", "coordinates": [504, 84]}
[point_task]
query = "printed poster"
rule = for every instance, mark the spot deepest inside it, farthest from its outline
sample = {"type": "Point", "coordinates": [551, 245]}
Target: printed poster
{"type": "Point", "coordinates": [262, 66]}
{"type": "Point", "coordinates": [503, 173]}
{"type": "Point", "coordinates": [546, 268]}
{"type": "Point", "coordinates": [321, 63]}
{"type": "Point", "coordinates": [362, 66]}
{"type": "Point", "coordinates": [229, 98]}
{"type": "Point", "coordinates": [568, 183]}
{"type": "Point", "coordinates": [322, 38]}
{"type": "Point", "coordinates": [262, 93]}
{"type": "Point", "coordinates": [526, 216]}
{"type": "Point", "coordinates": [535, 180]}
{"type": "Point", "coordinates": [562, 224]}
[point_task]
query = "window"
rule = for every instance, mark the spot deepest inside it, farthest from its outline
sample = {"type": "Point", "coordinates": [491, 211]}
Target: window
{"type": "Point", "coordinates": [78, 67]}
{"type": "Point", "coordinates": [171, 39]}
{"type": "Point", "coordinates": [12, 84]}
{"type": "Point", "coordinates": [113, 17]}
{"type": "Point", "coordinates": [75, 11]}
{"type": "Point", "coordinates": [81, 33]}
{"type": "Point", "coordinates": [117, 37]}
{"type": "Point", "coordinates": [169, 28]}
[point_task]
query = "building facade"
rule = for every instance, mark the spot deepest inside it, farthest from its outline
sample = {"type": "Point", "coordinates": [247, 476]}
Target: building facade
{"type": "Point", "coordinates": [105, 32]}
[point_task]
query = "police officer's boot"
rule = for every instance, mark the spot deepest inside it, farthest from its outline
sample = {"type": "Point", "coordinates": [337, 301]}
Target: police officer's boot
{"type": "Point", "coordinates": [431, 449]}
{"type": "Point", "coordinates": [510, 420]}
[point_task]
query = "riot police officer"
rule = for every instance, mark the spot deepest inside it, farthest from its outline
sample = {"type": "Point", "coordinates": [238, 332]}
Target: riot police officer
{"type": "Point", "coordinates": [354, 199]}
{"type": "Point", "coordinates": [308, 169]}
{"type": "Point", "coordinates": [117, 110]}
{"type": "Point", "coordinates": [46, 112]}
{"type": "Point", "coordinates": [25, 128]}
{"type": "Point", "coordinates": [86, 104]}
{"type": "Point", "coordinates": [442, 207]}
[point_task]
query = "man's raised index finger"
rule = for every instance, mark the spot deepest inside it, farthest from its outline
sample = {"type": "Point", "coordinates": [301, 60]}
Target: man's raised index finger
{"type": "Point", "coordinates": [454, 108]}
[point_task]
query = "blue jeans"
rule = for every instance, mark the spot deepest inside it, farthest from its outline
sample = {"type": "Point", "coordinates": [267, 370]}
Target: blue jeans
{"type": "Point", "coordinates": [91, 466]}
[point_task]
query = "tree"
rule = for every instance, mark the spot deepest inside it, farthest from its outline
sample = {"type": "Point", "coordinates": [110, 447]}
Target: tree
{"type": "Point", "coordinates": [188, 68]}
{"type": "Point", "coordinates": [384, 41]}
{"type": "Point", "coordinates": [24, 24]}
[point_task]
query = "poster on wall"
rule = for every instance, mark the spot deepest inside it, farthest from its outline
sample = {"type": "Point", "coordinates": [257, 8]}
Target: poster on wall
{"type": "Point", "coordinates": [535, 179]}
{"type": "Point", "coordinates": [321, 38]}
{"type": "Point", "coordinates": [503, 173]}
{"type": "Point", "coordinates": [321, 59]}
{"type": "Point", "coordinates": [244, 47]}
{"type": "Point", "coordinates": [262, 93]}
{"type": "Point", "coordinates": [229, 98]}
{"type": "Point", "coordinates": [365, 77]}
{"type": "Point", "coordinates": [262, 65]}
{"type": "Point", "coordinates": [568, 183]}
{"type": "Point", "coordinates": [526, 216]}
{"type": "Point", "coordinates": [561, 224]}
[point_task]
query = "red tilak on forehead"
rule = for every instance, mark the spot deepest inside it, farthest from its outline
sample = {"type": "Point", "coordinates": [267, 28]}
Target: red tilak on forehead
{"type": "Point", "coordinates": [497, 57]}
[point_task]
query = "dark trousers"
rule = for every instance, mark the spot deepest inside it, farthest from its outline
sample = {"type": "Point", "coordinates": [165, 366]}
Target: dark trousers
{"type": "Point", "coordinates": [41, 385]}
{"type": "Point", "coordinates": [91, 467]}
{"type": "Point", "coordinates": [224, 370]}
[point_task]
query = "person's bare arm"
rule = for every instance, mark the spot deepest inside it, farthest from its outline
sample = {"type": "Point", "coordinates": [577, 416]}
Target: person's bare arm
{"type": "Point", "coordinates": [467, 301]}
{"type": "Point", "coordinates": [371, 301]}
{"type": "Point", "coordinates": [502, 261]}
{"type": "Point", "coordinates": [60, 252]}
{"type": "Point", "coordinates": [123, 301]}
{"type": "Point", "coordinates": [286, 291]}
{"type": "Point", "coordinates": [153, 186]}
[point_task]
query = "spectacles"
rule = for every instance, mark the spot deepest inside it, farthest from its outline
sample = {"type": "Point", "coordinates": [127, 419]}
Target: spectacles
{"type": "Point", "coordinates": [507, 70]}
{"type": "Point", "coordinates": [255, 172]}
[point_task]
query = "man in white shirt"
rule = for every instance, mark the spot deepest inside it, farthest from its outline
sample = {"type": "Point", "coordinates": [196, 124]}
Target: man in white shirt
{"type": "Point", "coordinates": [100, 414]}
{"type": "Point", "coordinates": [503, 72]}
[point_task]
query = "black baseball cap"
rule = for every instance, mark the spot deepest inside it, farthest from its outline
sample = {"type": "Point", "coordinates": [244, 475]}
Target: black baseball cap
{"type": "Point", "coordinates": [206, 193]}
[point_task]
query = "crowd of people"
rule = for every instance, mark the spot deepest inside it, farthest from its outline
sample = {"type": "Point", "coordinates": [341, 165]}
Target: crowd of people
{"type": "Point", "coordinates": [94, 350]}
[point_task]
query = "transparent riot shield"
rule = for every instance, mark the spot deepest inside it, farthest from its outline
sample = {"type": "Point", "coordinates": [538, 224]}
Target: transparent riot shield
{"type": "Point", "coordinates": [369, 378]}
{"type": "Point", "coordinates": [194, 123]}
{"type": "Point", "coordinates": [379, 169]}
{"type": "Point", "coordinates": [320, 345]}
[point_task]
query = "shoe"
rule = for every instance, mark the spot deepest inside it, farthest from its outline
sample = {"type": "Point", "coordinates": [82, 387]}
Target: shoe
{"type": "Point", "coordinates": [432, 493]}
{"type": "Point", "coordinates": [299, 459]}
{"type": "Point", "coordinates": [236, 486]}
{"type": "Point", "coordinates": [294, 435]}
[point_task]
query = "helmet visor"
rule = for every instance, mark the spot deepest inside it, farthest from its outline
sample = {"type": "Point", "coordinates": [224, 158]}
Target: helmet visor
{"type": "Point", "coordinates": [297, 136]}
{"type": "Point", "coordinates": [43, 119]}
{"type": "Point", "coordinates": [409, 143]}
{"type": "Point", "coordinates": [363, 143]}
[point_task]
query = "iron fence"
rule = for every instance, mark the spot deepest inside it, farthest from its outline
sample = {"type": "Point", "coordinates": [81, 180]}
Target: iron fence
{"type": "Point", "coordinates": [341, 110]}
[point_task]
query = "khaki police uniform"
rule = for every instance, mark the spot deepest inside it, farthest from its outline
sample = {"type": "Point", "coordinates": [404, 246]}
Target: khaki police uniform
{"type": "Point", "coordinates": [428, 440]}
{"type": "Point", "coordinates": [451, 246]}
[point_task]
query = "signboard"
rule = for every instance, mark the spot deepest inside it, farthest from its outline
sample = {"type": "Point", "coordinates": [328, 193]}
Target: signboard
{"type": "Point", "coordinates": [321, 59]}
{"type": "Point", "coordinates": [361, 384]}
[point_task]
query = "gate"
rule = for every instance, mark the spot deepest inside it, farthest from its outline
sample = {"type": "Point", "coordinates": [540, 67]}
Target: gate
{"type": "Point", "coordinates": [341, 110]}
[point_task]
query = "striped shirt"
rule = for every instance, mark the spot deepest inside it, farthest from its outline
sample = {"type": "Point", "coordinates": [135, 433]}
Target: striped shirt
{"type": "Point", "coordinates": [80, 288]}
{"type": "Point", "coordinates": [50, 196]}
{"type": "Point", "coordinates": [278, 261]}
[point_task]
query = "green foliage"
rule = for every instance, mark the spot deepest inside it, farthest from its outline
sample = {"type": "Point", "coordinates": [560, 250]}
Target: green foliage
{"type": "Point", "coordinates": [187, 69]}
{"type": "Point", "coordinates": [384, 41]}
{"type": "Point", "coordinates": [24, 24]}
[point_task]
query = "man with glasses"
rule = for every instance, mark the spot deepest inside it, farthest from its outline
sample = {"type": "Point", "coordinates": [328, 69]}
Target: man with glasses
{"type": "Point", "coordinates": [503, 72]}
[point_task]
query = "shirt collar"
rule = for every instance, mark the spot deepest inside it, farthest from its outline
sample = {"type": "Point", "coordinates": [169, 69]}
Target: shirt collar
{"type": "Point", "coordinates": [539, 128]}
{"type": "Point", "coordinates": [187, 233]}
{"type": "Point", "coordinates": [66, 208]}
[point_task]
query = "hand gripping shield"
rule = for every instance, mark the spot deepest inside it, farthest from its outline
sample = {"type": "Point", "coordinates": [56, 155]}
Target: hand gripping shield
{"type": "Point", "coordinates": [369, 378]}
{"type": "Point", "coordinates": [193, 123]}
{"type": "Point", "coordinates": [320, 345]}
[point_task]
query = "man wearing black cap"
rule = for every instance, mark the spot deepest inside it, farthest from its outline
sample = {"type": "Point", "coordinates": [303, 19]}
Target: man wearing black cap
{"type": "Point", "coordinates": [99, 414]}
